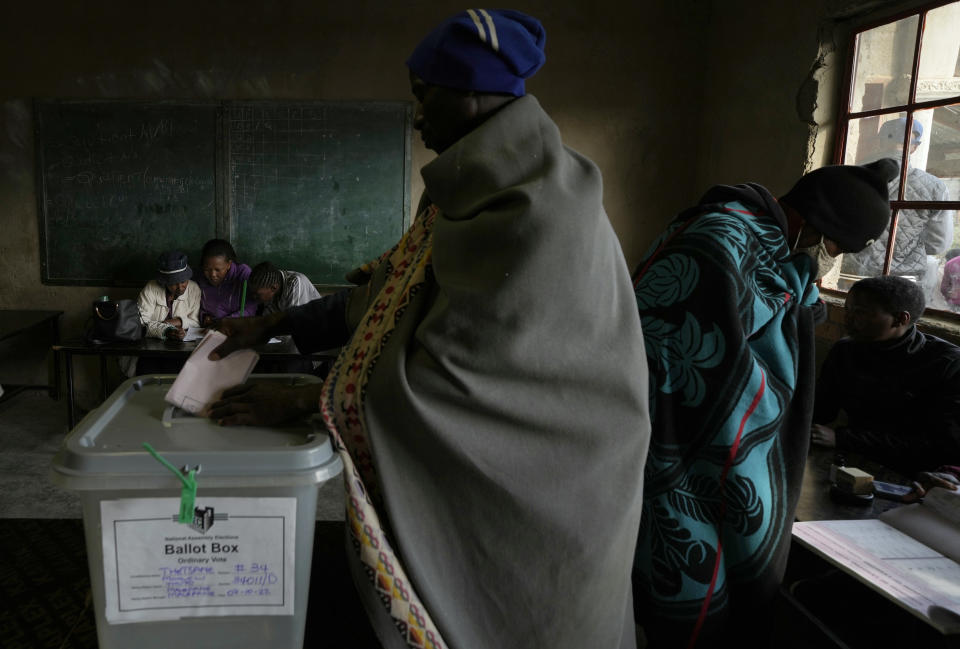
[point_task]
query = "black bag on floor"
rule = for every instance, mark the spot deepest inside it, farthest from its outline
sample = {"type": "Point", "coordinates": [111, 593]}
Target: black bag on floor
{"type": "Point", "coordinates": [115, 321]}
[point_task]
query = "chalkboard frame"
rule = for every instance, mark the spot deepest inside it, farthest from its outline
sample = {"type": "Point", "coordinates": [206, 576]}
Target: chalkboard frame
{"type": "Point", "coordinates": [223, 219]}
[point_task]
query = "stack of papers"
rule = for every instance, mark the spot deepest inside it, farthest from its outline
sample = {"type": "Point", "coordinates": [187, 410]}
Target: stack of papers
{"type": "Point", "coordinates": [196, 333]}
{"type": "Point", "coordinates": [908, 555]}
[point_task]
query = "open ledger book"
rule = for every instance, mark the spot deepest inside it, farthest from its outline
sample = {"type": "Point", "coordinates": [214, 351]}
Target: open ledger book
{"type": "Point", "coordinates": [911, 555]}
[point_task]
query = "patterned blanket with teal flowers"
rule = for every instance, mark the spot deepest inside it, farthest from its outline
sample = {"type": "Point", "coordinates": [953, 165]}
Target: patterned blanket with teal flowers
{"type": "Point", "coordinates": [728, 319]}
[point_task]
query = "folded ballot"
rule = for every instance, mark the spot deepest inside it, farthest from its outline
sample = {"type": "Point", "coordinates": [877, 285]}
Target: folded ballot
{"type": "Point", "coordinates": [202, 381]}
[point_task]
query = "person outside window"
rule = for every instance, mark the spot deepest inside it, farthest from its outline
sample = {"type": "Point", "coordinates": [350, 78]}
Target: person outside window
{"type": "Point", "coordinates": [919, 232]}
{"type": "Point", "coordinates": [950, 282]}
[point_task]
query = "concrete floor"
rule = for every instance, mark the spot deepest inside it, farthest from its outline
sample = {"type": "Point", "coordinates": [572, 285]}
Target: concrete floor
{"type": "Point", "coordinates": [45, 595]}
{"type": "Point", "coordinates": [32, 427]}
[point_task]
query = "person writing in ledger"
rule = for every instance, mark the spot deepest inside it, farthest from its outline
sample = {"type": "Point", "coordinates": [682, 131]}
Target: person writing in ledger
{"type": "Point", "coordinates": [223, 284]}
{"type": "Point", "coordinates": [898, 386]}
{"type": "Point", "coordinates": [169, 304]}
{"type": "Point", "coordinates": [278, 290]}
{"type": "Point", "coordinates": [490, 418]}
{"type": "Point", "coordinates": [728, 305]}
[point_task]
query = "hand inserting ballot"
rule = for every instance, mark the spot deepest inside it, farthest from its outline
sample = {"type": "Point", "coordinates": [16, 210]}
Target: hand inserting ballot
{"type": "Point", "coordinates": [265, 404]}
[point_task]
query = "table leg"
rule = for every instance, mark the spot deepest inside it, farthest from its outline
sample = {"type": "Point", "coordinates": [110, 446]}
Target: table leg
{"type": "Point", "coordinates": [55, 389]}
{"type": "Point", "coordinates": [71, 403]}
{"type": "Point", "coordinates": [103, 378]}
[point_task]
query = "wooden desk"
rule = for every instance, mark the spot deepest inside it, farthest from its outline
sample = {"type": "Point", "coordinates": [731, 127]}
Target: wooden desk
{"type": "Point", "coordinates": [17, 325]}
{"type": "Point", "coordinates": [823, 606]}
{"type": "Point", "coordinates": [155, 348]}
{"type": "Point", "coordinates": [815, 503]}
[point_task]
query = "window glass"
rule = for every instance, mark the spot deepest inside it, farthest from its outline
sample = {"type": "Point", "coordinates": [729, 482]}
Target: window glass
{"type": "Point", "coordinates": [883, 65]}
{"type": "Point", "coordinates": [937, 152]}
{"type": "Point", "coordinates": [934, 175]}
{"type": "Point", "coordinates": [925, 245]}
{"type": "Point", "coordinates": [939, 72]}
{"type": "Point", "coordinates": [868, 139]}
{"type": "Point", "coordinates": [925, 238]}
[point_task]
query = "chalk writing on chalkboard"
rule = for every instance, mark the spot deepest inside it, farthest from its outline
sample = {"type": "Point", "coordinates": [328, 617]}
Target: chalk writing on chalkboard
{"type": "Point", "coordinates": [317, 187]}
{"type": "Point", "coordinates": [121, 182]}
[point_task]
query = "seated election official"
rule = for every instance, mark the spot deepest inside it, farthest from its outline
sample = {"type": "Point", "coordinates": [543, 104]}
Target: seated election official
{"type": "Point", "coordinates": [279, 290]}
{"type": "Point", "coordinates": [898, 387]}
{"type": "Point", "coordinates": [168, 305]}
{"type": "Point", "coordinates": [223, 283]}
{"type": "Point", "coordinates": [493, 428]}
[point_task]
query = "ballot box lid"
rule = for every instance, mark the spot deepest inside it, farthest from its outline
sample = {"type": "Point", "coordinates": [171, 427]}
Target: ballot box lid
{"type": "Point", "coordinates": [106, 449]}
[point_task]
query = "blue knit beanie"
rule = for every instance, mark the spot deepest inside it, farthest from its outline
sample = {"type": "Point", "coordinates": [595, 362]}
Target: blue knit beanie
{"type": "Point", "coordinates": [893, 130]}
{"type": "Point", "coordinates": [487, 50]}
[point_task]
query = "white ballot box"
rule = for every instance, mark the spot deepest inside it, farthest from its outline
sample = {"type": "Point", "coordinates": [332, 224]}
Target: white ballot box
{"type": "Point", "coordinates": [238, 573]}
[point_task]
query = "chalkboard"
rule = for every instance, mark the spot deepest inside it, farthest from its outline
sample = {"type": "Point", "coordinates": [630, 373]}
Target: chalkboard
{"type": "Point", "coordinates": [120, 182]}
{"type": "Point", "coordinates": [317, 187]}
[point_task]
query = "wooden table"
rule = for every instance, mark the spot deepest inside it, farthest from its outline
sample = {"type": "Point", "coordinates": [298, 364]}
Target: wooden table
{"type": "Point", "coordinates": [156, 348]}
{"type": "Point", "coordinates": [815, 502]}
{"type": "Point", "coordinates": [20, 325]}
{"type": "Point", "coordinates": [824, 606]}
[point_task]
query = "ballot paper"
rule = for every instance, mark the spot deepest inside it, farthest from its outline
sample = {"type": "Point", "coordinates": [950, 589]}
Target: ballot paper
{"type": "Point", "coordinates": [194, 333]}
{"type": "Point", "coordinates": [202, 381]}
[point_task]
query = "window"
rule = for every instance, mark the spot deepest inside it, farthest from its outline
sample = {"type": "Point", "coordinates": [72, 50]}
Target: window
{"type": "Point", "coordinates": [902, 100]}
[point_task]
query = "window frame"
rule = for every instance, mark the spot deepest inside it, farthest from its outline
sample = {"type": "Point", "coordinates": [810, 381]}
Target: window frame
{"type": "Point", "coordinates": [846, 115]}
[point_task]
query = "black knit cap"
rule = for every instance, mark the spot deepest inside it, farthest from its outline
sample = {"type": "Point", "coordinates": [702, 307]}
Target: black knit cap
{"type": "Point", "coordinates": [849, 204]}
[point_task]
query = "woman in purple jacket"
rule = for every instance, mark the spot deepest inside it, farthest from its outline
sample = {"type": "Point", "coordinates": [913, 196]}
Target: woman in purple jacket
{"type": "Point", "coordinates": [223, 283]}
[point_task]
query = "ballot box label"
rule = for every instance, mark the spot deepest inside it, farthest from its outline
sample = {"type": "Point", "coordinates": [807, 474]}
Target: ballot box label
{"type": "Point", "coordinates": [236, 557]}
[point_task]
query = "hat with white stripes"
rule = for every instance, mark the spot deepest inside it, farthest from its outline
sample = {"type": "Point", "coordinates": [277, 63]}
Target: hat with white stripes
{"type": "Point", "coordinates": [172, 268]}
{"type": "Point", "coordinates": [486, 50]}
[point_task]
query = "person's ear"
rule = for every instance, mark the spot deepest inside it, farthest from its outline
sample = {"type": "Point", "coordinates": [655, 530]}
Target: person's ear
{"type": "Point", "coordinates": [901, 319]}
{"type": "Point", "coordinates": [474, 107]}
